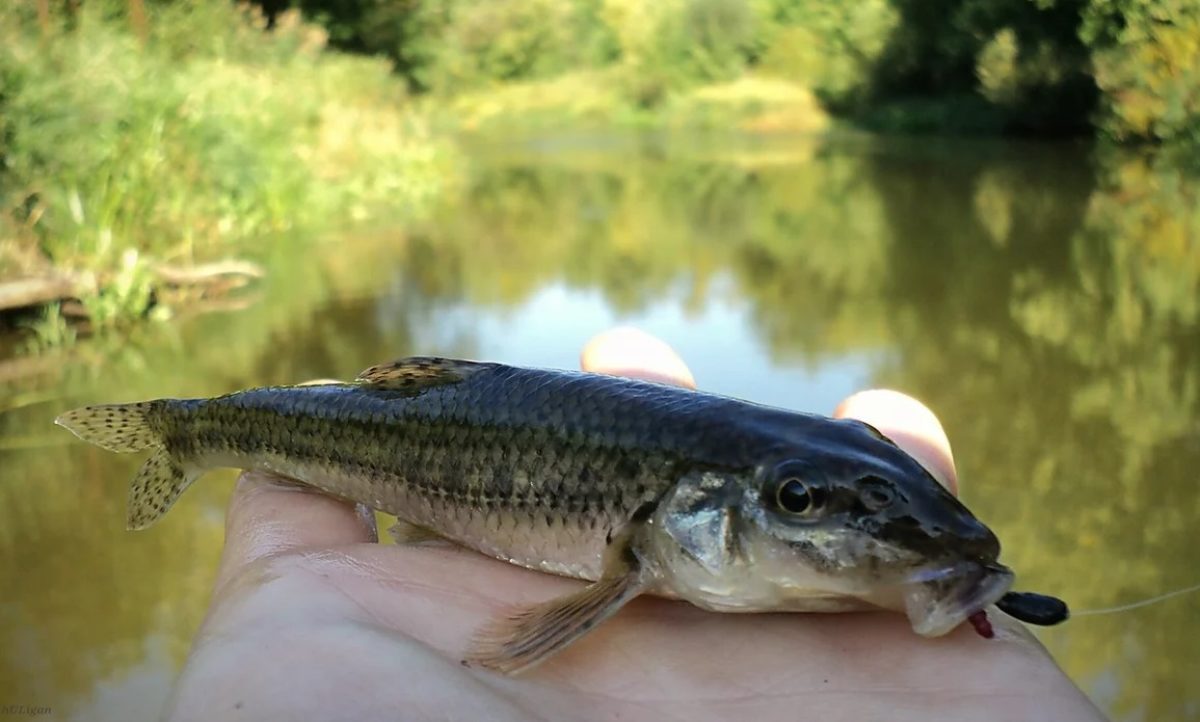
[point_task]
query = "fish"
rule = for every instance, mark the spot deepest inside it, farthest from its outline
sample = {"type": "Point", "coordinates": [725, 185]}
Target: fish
{"type": "Point", "coordinates": [633, 486]}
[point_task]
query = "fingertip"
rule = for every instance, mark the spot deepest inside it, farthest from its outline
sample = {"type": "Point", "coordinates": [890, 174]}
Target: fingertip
{"type": "Point", "coordinates": [631, 352]}
{"type": "Point", "coordinates": [910, 424]}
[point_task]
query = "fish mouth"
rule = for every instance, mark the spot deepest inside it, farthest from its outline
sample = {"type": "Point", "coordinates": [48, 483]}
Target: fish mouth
{"type": "Point", "coordinates": [938, 599]}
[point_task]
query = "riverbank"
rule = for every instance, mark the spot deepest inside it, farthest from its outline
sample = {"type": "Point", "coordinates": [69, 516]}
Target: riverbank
{"type": "Point", "coordinates": [148, 165]}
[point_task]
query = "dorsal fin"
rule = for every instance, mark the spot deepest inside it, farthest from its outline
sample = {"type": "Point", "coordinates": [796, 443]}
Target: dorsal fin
{"type": "Point", "coordinates": [418, 372]}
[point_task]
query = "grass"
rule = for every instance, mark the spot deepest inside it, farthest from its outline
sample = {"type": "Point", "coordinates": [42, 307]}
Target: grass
{"type": "Point", "coordinates": [598, 99]}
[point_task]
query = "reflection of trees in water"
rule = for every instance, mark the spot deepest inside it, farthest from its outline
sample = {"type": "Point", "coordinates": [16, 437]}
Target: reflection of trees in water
{"type": "Point", "coordinates": [1062, 356]}
{"type": "Point", "coordinates": [1050, 318]}
{"type": "Point", "coordinates": [81, 595]}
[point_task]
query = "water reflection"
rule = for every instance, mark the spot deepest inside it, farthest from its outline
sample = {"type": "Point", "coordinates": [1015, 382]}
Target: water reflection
{"type": "Point", "coordinates": [1044, 301]}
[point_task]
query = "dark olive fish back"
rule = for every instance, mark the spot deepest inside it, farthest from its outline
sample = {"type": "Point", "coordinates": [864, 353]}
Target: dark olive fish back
{"type": "Point", "coordinates": [496, 436]}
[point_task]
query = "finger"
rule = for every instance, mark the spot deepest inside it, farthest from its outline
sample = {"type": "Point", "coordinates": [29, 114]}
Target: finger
{"type": "Point", "coordinates": [627, 351]}
{"type": "Point", "coordinates": [269, 515]}
{"type": "Point", "coordinates": [910, 424]}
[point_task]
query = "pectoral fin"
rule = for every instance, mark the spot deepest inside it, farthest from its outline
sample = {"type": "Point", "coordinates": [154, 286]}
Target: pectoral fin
{"type": "Point", "coordinates": [529, 637]}
{"type": "Point", "coordinates": [516, 643]}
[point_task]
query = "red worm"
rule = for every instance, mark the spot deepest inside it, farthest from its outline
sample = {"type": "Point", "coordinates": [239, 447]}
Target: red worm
{"type": "Point", "coordinates": [980, 621]}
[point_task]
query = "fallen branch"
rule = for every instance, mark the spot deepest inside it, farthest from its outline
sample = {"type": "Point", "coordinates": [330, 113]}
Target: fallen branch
{"type": "Point", "coordinates": [37, 291]}
{"type": "Point", "coordinates": [207, 272]}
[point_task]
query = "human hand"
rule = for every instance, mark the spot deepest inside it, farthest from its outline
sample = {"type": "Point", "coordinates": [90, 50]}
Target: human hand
{"type": "Point", "coordinates": [311, 619]}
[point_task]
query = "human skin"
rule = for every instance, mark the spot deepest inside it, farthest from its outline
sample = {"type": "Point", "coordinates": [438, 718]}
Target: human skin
{"type": "Point", "coordinates": [311, 619]}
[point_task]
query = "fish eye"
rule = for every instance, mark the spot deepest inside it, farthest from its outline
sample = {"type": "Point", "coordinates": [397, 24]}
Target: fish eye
{"type": "Point", "coordinates": [796, 497]}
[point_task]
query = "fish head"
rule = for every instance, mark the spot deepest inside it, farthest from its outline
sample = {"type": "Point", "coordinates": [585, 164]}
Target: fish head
{"type": "Point", "coordinates": [842, 519]}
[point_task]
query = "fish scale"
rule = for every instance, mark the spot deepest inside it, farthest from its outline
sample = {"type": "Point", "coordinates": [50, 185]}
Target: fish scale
{"type": "Point", "coordinates": [446, 443]}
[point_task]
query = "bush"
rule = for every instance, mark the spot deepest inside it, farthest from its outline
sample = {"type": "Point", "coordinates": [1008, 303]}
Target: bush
{"type": "Point", "coordinates": [830, 46]}
{"type": "Point", "coordinates": [1147, 63]}
{"type": "Point", "coordinates": [448, 46]}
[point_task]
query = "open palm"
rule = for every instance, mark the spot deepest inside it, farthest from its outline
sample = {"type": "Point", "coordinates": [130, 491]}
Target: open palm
{"type": "Point", "coordinates": [311, 619]}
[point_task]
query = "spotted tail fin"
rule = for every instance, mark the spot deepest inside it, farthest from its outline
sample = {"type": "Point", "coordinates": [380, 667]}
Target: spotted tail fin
{"type": "Point", "coordinates": [117, 427]}
{"type": "Point", "coordinates": [126, 428]}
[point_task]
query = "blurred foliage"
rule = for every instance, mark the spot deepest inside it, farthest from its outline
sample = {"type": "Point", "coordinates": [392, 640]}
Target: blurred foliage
{"type": "Point", "coordinates": [197, 142]}
{"type": "Point", "coordinates": [1147, 63]}
{"type": "Point", "coordinates": [829, 46]}
{"type": "Point", "coordinates": [1125, 67]}
{"type": "Point", "coordinates": [1045, 302]}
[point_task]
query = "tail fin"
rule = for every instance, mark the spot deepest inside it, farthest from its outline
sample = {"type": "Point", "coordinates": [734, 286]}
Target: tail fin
{"type": "Point", "coordinates": [126, 428]}
{"type": "Point", "coordinates": [116, 427]}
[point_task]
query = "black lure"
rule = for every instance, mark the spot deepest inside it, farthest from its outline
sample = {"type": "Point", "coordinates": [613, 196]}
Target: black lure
{"type": "Point", "coordinates": [1040, 609]}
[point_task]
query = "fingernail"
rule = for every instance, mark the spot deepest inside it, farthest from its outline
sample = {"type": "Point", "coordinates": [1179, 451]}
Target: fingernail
{"type": "Point", "coordinates": [910, 424]}
{"type": "Point", "coordinates": [628, 351]}
{"type": "Point", "coordinates": [366, 515]}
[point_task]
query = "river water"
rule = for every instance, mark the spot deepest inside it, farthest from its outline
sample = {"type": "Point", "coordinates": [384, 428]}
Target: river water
{"type": "Point", "coordinates": [1044, 300]}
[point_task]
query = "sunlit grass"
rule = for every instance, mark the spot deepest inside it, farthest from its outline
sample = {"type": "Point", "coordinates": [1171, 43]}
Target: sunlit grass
{"type": "Point", "coordinates": [599, 99]}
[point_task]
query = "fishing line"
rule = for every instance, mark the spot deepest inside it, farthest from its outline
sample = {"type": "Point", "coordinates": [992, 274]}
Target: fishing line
{"type": "Point", "coordinates": [1136, 605]}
